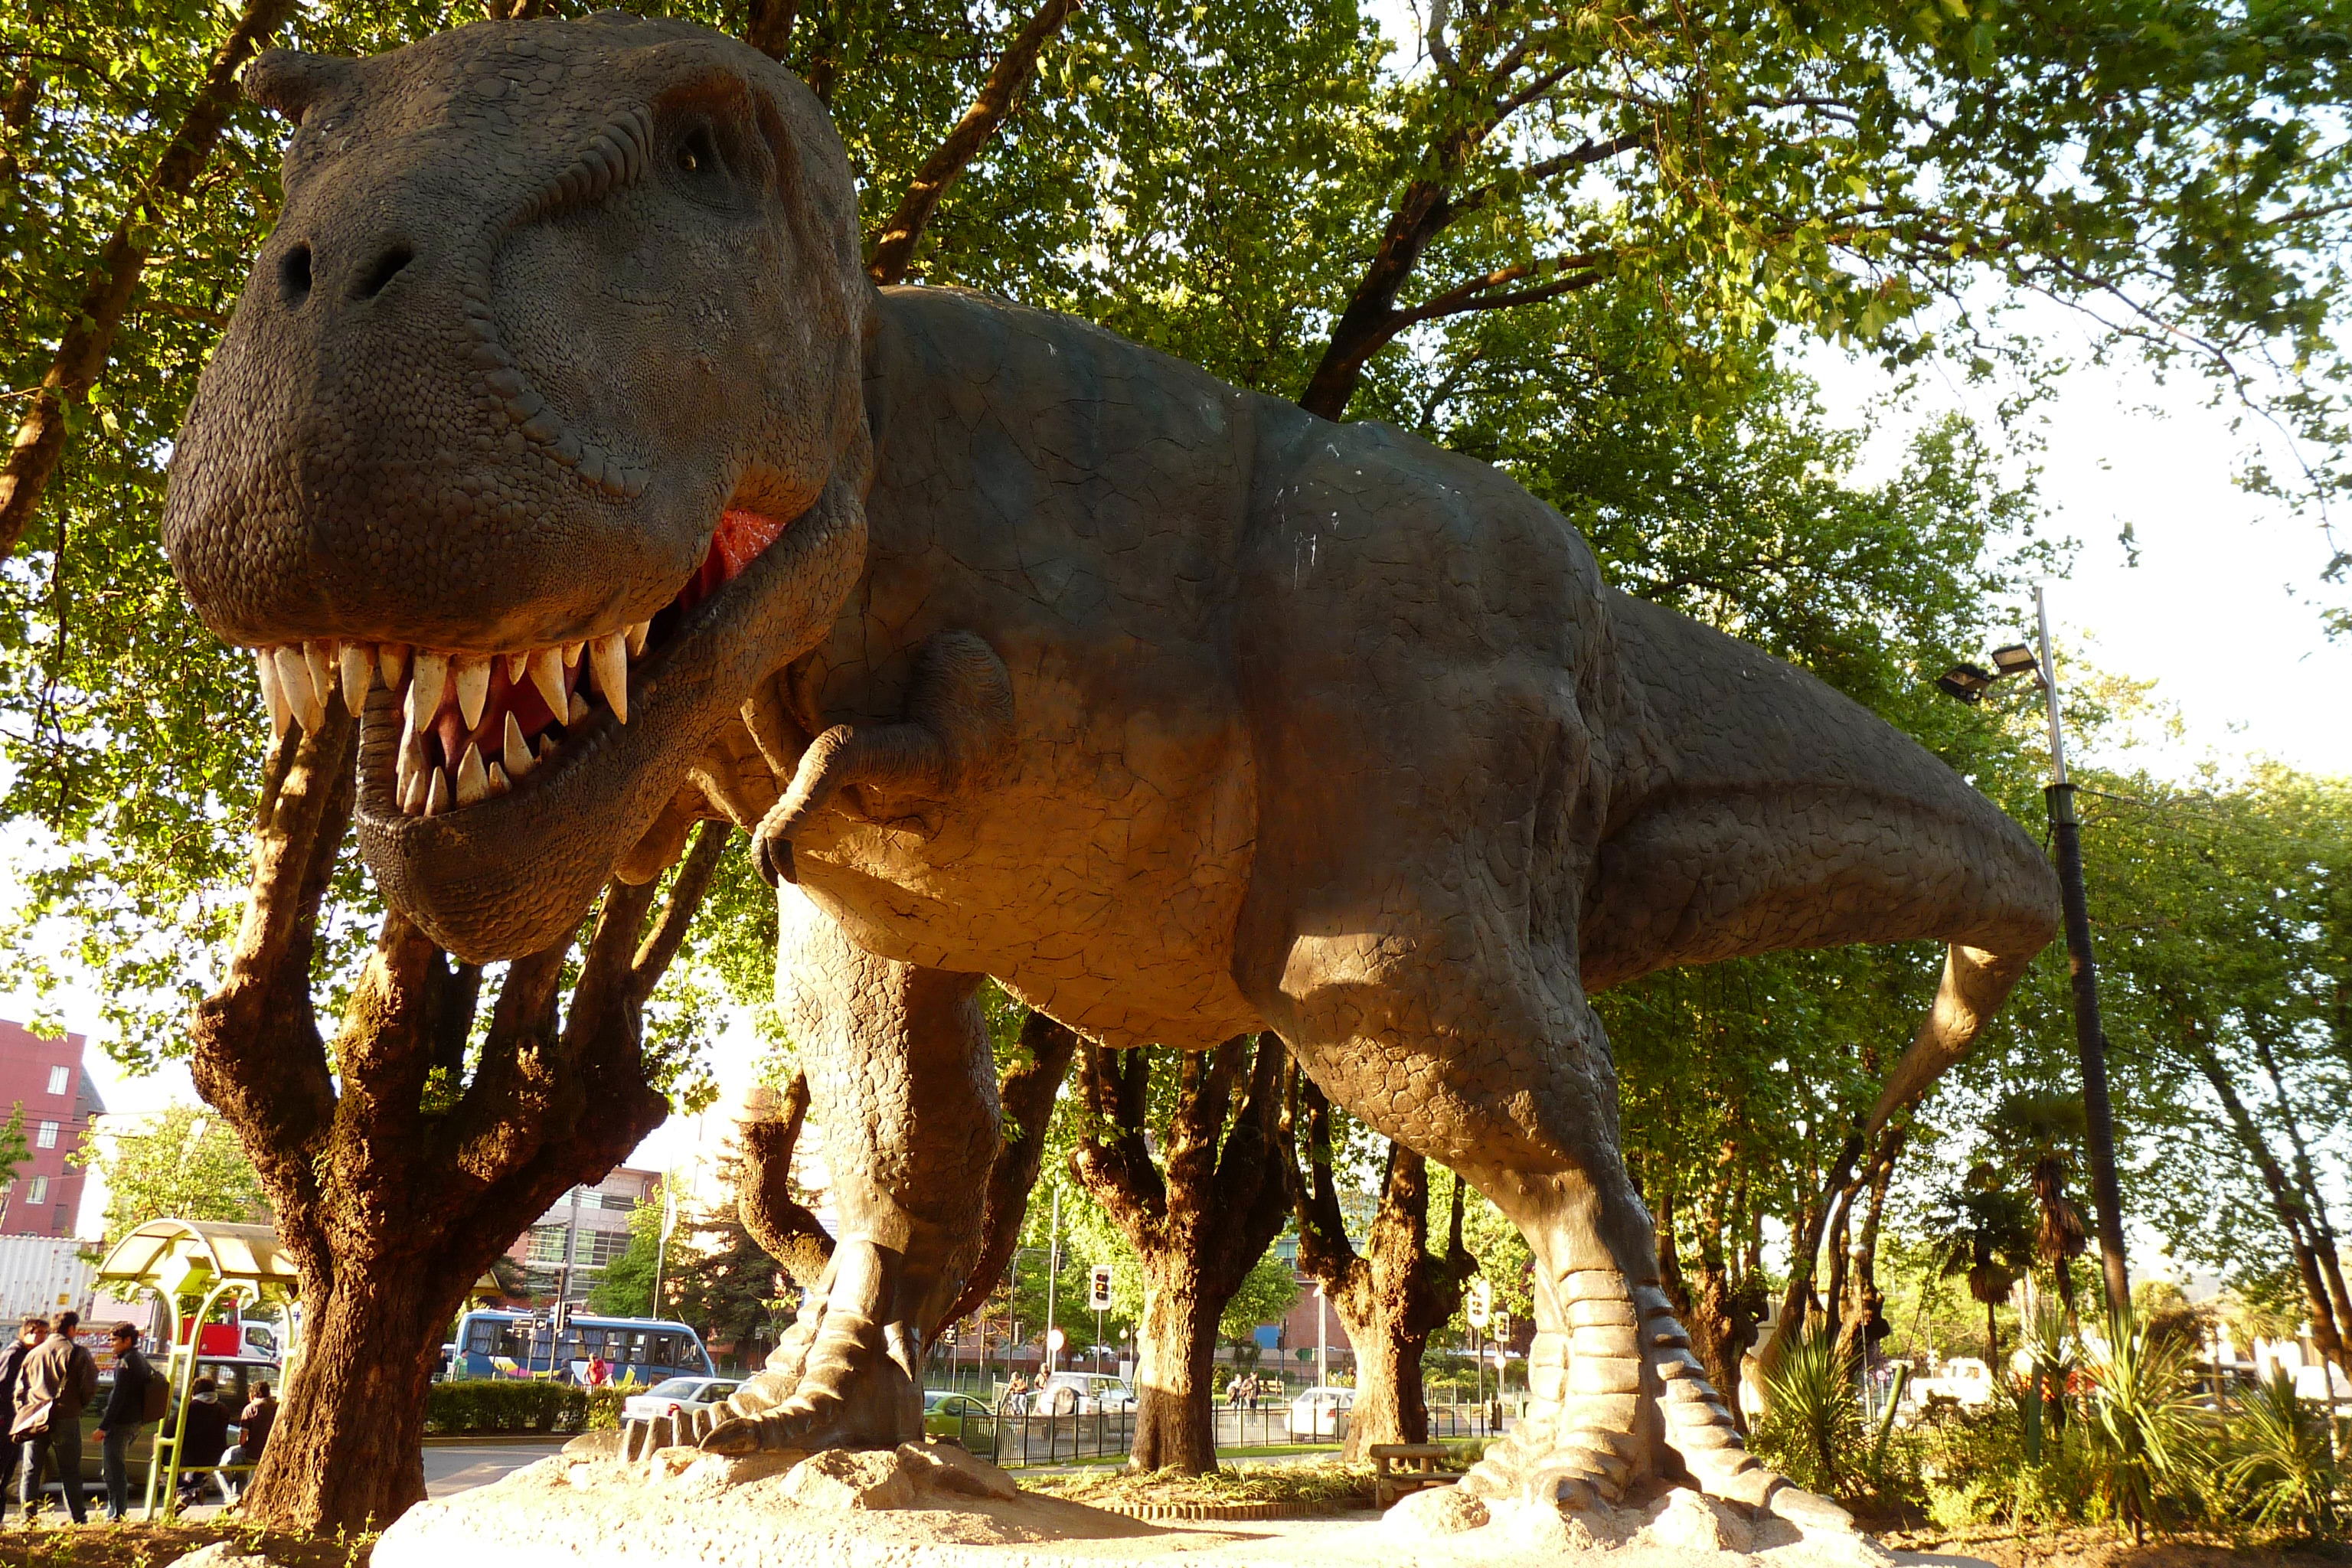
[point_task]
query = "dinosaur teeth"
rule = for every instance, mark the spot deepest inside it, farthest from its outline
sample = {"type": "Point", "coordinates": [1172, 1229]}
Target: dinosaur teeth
{"type": "Point", "coordinates": [437, 792]}
{"type": "Point", "coordinates": [424, 690]}
{"type": "Point", "coordinates": [518, 665]}
{"type": "Point", "coordinates": [473, 677]}
{"type": "Point", "coordinates": [498, 785]}
{"type": "Point", "coordinates": [319, 658]}
{"type": "Point", "coordinates": [637, 634]}
{"type": "Point", "coordinates": [610, 655]}
{"type": "Point", "coordinates": [473, 782]}
{"type": "Point", "coordinates": [578, 712]}
{"type": "Point", "coordinates": [273, 698]}
{"type": "Point", "coordinates": [294, 680]}
{"type": "Point", "coordinates": [413, 795]}
{"type": "Point", "coordinates": [513, 752]}
{"type": "Point", "coordinates": [391, 660]}
{"type": "Point", "coordinates": [572, 654]}
{"type": "Point", "coordinates": [359, 674]}
{"type": "Point", "coordinates": [547, 674]}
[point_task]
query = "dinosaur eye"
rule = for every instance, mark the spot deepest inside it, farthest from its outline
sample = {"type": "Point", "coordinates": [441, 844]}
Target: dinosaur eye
{"type": "Point", "coordinates": [697, 153]}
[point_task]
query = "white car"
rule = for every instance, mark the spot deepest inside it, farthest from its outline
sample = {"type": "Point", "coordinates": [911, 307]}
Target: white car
{"type": "Point", "coordinates": [678, 1396]}
{"type": "Point", "coordinates": [1082, 1393]}
{"type": "Point", "coordinates": [1963, 1379]}
{"type": "Point", "coordinates": [1316, 1411]}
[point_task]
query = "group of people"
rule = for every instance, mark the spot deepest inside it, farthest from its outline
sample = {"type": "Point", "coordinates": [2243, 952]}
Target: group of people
{"type": "Point", "coordinates": [1244, 1392]}
{"type": "Point", "coordinates": [47, 1381]}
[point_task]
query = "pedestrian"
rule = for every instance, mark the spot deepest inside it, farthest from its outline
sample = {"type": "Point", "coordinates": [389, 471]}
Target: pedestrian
{"type": "Point", "coordinates": [29, 1334]}
{"type": "Point", "coordinates": [1234, 1393]}
{"type": "Point", "coordinates": [600, 1370]}
{"type": "Point", "coordinates": [1016, 1394]}
{"type": "Point", "coordinates": [125, 1413]}
{"type": "Point", "coordinates": [53, 1385]}
{"type": "Point", "coordinates": [204, 1443]}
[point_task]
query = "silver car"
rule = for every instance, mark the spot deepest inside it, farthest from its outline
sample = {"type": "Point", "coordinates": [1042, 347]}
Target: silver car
{"type": "Point", "coordinates": [678, 1396]}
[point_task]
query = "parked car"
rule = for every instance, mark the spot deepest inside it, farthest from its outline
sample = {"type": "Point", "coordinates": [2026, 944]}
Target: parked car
{"type": "Point", "coordinates": [1316, 1413]}
{"type": "Point", "coordinates": [1082, 1393]}
{"type": "Point", "coordinates": [1963, 1379]}
{"type": "Point", "coordinates": [967, 1420]}
{"type": "Point", "coordinates": [678, 1396]}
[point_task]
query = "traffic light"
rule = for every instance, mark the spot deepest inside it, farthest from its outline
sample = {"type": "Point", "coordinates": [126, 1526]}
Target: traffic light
{"type": "Point", "coordinates": [561, 1322]}
{"type": "Point", "coordinates": [1099, 1288]}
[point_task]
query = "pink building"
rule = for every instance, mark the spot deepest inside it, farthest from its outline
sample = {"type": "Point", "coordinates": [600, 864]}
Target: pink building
{"type": "Point", "coordinates": [44, 1080]}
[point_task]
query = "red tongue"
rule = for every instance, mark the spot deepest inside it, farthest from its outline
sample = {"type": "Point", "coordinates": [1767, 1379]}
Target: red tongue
{"type": "Point", "coordinates": [739, 537]}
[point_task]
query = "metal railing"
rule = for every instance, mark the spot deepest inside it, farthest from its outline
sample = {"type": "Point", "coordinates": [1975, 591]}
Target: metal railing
{"type": "Point", "coordinates": [1014, 1438]}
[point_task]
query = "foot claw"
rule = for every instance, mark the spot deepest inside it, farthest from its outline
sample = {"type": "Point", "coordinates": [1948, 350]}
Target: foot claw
{"type": "Point", "coordinates": [1806, 1510]}
{"type": "Point", "coordinates": [732, 1435]}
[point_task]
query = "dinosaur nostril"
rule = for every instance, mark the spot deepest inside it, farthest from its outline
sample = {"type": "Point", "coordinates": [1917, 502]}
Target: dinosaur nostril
{"type": "Point", "coordinates": [387, 267]}
{"type": "Point", "coordinates": [294, 274]}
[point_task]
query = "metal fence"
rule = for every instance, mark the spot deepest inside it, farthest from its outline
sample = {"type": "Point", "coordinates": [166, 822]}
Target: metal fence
{"type": "Point", "coordinates": [1016, 1439]}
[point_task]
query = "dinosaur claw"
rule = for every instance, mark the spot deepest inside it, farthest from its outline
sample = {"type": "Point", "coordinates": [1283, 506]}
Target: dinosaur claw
{"type": "Point", "coordinates": [773, 854]}
{"type": "Point", "coordinates": [734, 1435]}
{"type": "Point", "coordinates": [1806, 1510]}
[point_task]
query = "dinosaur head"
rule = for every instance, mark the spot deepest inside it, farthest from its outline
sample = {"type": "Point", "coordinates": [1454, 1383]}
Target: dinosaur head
{"type": "Point", "coordinates": [537, 435]}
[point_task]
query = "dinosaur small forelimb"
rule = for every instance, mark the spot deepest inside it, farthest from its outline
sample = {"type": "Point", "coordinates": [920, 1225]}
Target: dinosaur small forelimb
{"type": "Point", "coordinates": [958, 726]}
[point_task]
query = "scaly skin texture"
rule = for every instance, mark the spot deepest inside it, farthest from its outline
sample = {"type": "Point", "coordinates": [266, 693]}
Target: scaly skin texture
{"type": "Point", "coordinates": [1182, 713]}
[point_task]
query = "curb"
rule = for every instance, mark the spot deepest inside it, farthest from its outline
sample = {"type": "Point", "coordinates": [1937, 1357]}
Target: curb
{"type": "Point", "coordinates": [1212, 1511]}
{"type": "Point", "coordinates": [495, 1439]}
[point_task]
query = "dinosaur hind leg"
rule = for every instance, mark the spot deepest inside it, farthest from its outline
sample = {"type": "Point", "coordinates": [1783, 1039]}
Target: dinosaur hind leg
{"type": "Point", "coordinates": [1496, 1066]}
{"type": "Point", "coordinates": [903, 1085]}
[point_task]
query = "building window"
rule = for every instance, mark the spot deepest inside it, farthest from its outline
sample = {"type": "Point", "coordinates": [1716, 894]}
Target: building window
{"type": "Point", "coordinates": [60, 1077]}
{"type": "Point", "coordinates": [46, 1138]}
{"type": "Point", "coordinates": [605, 1245]}
{"type": "Point", "coordinates": [63, 1222]}
{"type": "Point", "coordinates": [547, 1244]}
{"type": "Point", "coordinates": [38, 1193]}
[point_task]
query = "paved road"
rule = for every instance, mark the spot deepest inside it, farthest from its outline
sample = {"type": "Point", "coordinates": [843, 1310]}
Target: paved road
{"type": "Point", "coordinates": [456, 1467]}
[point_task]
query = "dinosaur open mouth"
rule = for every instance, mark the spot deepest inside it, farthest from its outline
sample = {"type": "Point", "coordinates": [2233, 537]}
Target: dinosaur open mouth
{"type": "Point", "coordinates": [475, 725]}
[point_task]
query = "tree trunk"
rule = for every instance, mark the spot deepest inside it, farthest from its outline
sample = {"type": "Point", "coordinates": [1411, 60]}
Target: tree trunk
{"type": "Point", "coordinates": [1199, 1224]}
{"type": "Point", "coordinates": [1176, 1346]}
{"type": "Point", "coordinates": [1861, 1303]}
{"type": "Point", "coordinates": [1392, 1296]}
{"type": "Point", "coordinates": [1026, 1099]}
{"type": "Point", "coordinates": [82, 354]}
{"type": "Point", "coordinates": [349, 1440]}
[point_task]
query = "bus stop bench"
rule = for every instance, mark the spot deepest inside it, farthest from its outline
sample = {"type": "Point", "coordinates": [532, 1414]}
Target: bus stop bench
{"type": "Point", "coordinates": [1401, 1468]}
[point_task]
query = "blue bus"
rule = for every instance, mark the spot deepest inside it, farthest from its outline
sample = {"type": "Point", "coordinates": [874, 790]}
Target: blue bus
{"type": "Point", "coordinates": [515, 1344]}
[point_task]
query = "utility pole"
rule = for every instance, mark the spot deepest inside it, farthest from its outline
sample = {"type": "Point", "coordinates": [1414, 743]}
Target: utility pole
{"type": "Point", "coordinates": [571, 1250]}
{"type": "Point", "coordinates": [2090, 1039]}
{"type": "Point", "coordinates": [1052, 1275]}
{"type": "Point", "coordinates": [1322, 1363]}
{"type": "Point", "coordinates": [661, 1249]}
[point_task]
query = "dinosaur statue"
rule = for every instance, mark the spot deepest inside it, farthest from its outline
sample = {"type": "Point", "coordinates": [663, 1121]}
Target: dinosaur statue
{"type": "Point", "coordinates": [558, 434]}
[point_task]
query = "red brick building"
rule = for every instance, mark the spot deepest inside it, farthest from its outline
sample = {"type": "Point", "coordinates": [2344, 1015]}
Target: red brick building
{"type": "Point", "coordinates": [45, 1081]}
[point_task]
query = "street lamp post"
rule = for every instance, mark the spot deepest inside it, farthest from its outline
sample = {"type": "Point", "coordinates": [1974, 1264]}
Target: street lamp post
{"type": "Point", "coordinates": [1967, 683]}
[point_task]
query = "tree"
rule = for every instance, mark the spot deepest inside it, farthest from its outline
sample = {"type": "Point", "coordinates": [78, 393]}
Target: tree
{"type": "Point", "coordinates": [2034, 1134]}
{"type": "Point", "coordinates": [1199, 1218]}
{"type": "Point", "coordinates": [1988, 1238]}
{"type": "Point", "coordinates": [185, 1163]}
{"type": "Point", "coordinates": [624, 1288]}
{"type": "Point", "coordinates": [1842, 167]}
{"type": "Point", "coordinates": [1395, 1293]}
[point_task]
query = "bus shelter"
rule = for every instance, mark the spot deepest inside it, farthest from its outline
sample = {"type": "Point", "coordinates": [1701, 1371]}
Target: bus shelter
{"type": "Point", "coordinates": [197, 1269]}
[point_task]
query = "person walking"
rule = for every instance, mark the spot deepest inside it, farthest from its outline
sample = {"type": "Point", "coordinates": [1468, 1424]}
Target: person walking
{"type": "Point", "coordinates": [53, 1385]}
{"type": "Point", "coordinates": [29, 1334]}
{"type": "Point", "coordinates": [119, 1422]}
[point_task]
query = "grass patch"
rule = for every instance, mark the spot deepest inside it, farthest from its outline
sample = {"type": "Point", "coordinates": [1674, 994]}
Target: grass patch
{"type": "Point", "coordinates": [134, 1545]}
{"type": "Point", "coordinates": [1328, 1485]}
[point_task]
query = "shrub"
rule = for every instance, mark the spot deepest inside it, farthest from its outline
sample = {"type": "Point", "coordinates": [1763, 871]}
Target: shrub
{"type": "Point", "coordinates": [2284, 1474]}
{"type": "Point", "coordinates": [505, 1405]}
{"type": "Point", "coordinates": [1813, 1421]}
{"type": "Point", "coordinates": [2143, 1426]}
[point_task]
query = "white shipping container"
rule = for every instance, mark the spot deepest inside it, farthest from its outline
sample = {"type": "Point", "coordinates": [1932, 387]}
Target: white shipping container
{"type": "Point", "coordinates": [43, 1275]}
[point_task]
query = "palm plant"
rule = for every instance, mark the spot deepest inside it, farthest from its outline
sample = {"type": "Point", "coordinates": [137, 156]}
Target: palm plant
{"type": "Point", "coordinates": [2285, 1475]}
{"type": "Point", "coordinates": [1812, 1419]}
{"type": "Point", "coordinates": [2035, 1134]}
{"type": "Point", "coordinates": [1986, 1234]}
{"type": "Point", "coordinates": [2144, 1425]}
{"type": "Point", "coordinates": [2053, 1353]}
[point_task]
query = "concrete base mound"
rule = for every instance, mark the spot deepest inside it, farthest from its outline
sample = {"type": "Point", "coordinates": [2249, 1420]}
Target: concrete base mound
{"type": "Point", "coordinates": [933, 1506]}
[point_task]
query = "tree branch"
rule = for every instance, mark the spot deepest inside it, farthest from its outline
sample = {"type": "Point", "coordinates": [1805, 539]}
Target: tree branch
{"type": "Point", "coordinates": [783, 1226]}
{"type": "Point", "coordinates": [89, 339]}
{"type": "Point", "coordinates": [1027, 1097]}
{"type": "Point", "coordinates": [895, 249]}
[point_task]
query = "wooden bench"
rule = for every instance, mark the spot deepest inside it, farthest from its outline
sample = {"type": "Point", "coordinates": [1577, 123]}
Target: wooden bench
{"type": "Point", "coordinates": [1404, 1468]}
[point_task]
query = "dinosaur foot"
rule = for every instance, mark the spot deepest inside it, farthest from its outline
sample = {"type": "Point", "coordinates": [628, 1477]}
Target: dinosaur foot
{"type": "Point", "coordinates": [1620, 1399]}
{"type": "Point", "coordinates": [838, 1380]}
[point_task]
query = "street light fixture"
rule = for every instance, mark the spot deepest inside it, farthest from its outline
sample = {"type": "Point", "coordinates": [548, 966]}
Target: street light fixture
{"type": "Point", "coordinates": [1969, 683]}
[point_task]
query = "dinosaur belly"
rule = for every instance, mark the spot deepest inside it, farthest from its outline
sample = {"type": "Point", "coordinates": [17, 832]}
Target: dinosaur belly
{"type": "Point", "coordinates": [1100, 879]}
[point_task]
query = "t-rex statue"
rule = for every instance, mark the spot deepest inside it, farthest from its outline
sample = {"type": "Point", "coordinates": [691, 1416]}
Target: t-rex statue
{"type": "Point", "coordinates": [559, 431]}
